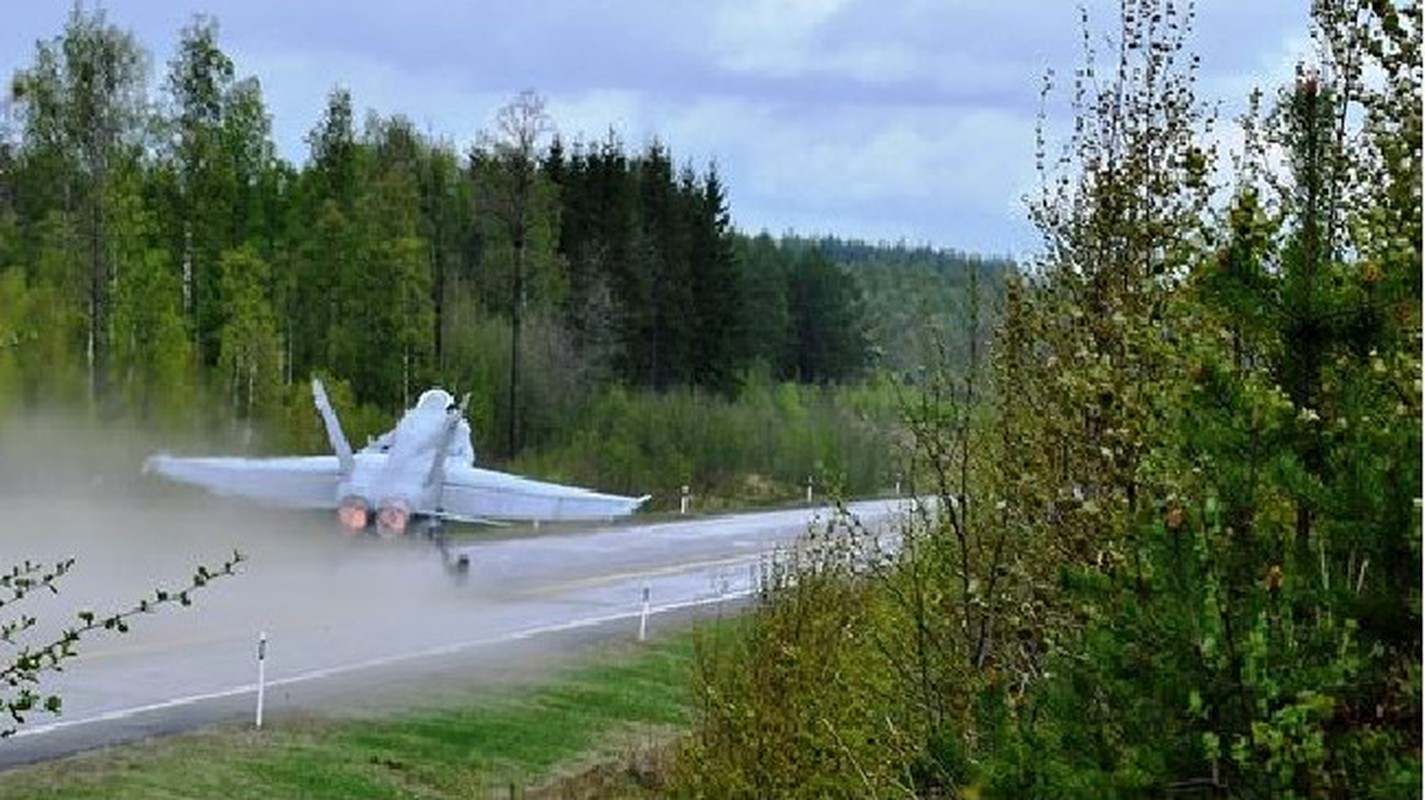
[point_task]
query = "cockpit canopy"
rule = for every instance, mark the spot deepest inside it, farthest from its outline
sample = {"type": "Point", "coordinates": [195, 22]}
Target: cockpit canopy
{"type": "Point", "coordinates": [438, 399]}
{"type": "Point", "coordinates": [462, 446]}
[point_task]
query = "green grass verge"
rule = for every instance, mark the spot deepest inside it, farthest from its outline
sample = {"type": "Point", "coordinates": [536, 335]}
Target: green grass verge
{"type": "Point", "coordinates": [480, 746]}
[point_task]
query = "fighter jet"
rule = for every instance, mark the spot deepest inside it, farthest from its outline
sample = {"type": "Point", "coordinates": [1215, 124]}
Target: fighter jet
{"type": "Point", "coordinates": [423, 468]}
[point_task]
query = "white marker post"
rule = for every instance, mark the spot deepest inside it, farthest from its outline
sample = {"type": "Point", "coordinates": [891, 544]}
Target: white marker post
{"type": "Point", "coordinates": [808, 490]}
{"type": "Point", "coordinates": [643, 618]}
{"type": "Point", "coordinates": [261, 673]}
{"type": "Point", "coordinates": [683, 503]}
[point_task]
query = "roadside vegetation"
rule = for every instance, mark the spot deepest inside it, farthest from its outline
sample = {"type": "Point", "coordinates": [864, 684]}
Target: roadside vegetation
{"type": "Point", "coordinates": [1177, 551]}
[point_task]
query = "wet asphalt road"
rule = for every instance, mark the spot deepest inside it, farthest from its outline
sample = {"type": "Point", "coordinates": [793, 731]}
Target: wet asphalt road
{"type": "Point", "coordinates": [352, 621]}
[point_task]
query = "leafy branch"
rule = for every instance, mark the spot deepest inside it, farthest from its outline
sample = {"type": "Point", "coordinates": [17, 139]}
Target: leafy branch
{"type": "Point", "coordinates": [20, 692]}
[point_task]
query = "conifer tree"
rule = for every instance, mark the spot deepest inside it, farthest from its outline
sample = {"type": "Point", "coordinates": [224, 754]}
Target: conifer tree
{"type": "Point", "coordinates": [718, 346]}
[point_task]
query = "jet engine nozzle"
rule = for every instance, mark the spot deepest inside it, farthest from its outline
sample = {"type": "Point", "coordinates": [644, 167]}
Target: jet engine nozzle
{"type": "Point", "coordinates": [353, 513]}
{"type": "Point", "coordinates": [392, 517]}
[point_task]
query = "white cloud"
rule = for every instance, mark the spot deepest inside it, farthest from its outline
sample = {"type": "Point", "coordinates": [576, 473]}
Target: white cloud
{"type": "Point", "coordinates": [908, 119]}
{"type": "Point", "coordinates": [588, 115]}
{"type": "Point", "coordinates": [771, 37]}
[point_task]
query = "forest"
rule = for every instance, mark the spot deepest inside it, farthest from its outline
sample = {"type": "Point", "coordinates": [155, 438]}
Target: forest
{"type": "Point", "coordinates": [161, 263]}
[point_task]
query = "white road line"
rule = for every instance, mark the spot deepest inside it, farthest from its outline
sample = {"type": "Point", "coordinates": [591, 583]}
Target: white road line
{"type": "Point", "coordinates": [328, 672]}
{"type": "Point", "coordinates": [557, 589]}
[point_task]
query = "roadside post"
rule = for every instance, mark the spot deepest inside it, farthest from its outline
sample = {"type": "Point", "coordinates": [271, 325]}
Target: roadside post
{"type": "Point", "coordinates": [643, 618]}
{"type": "Point", "coordinates": [261, 673]}
{"type": "Point", "coordinates": [808, 490]}
{"type": "Point", "coordinates": [683, 503]}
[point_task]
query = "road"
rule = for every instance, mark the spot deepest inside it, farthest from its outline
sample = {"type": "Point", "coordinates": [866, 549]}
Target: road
{"type": "Point", "coordinates": [350, 621]}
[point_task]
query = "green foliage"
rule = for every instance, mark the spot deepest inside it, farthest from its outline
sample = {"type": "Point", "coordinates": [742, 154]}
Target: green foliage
{"type": "Point", "coordinates": [826, 331]}
{"type": "Point", "coordinates": [250, 345]}
{"type": "Point", "coordinates": [33, 656]}
{"type": "Point", "coordinates": [37, 333]}
{"type": "Point", "coordinates": [1230, 626]}
{"type": "Point", "coordinates": [760, 447]}
{"type": "Point", "coordinates": [1177, 546]}
{"type": "Point", "coordinates": [916, 299]}
{"type": "Point", "coordinates": [151, 355]}
{"type": "Point", "coordinates": [798, 705]}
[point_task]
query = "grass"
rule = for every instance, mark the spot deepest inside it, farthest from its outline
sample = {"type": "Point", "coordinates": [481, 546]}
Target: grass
{"type": "Point", "coordinates": [626, 699]}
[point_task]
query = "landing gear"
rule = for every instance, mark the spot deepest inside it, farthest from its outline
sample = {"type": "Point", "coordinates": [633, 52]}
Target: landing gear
{"type": "Point", "coordinates": [457, 564]}
{"type": "Point", "coordinates": [433, 529]}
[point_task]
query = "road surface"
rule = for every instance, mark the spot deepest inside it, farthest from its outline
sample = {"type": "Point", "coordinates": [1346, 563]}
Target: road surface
{"type": "Point", "coordinates": [350, 620]}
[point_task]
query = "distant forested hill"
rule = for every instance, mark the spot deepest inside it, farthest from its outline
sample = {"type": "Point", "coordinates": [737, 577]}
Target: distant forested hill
{"type": "Point", "coordinates": [911, 294]}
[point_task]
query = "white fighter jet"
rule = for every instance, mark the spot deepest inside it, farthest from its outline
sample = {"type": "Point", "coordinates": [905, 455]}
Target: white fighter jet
{"type": "Point", "coordinates": [424, 467]}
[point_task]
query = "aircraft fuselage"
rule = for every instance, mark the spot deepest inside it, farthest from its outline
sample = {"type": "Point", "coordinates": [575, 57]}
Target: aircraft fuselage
{"type": "Point", "coordinates": [395, 477]}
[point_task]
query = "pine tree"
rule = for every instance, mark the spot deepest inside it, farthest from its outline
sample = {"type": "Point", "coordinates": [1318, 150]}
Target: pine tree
{"type": "Point", "coordinates": [766, 320]}
{"type": "Point", "coordinates": [828, 342]}
{"type": "Point", "coordinates": [719, 344]}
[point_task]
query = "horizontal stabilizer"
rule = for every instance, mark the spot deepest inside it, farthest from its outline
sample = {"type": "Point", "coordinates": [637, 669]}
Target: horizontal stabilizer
{"type": "Point", "coordinates": [473, 492]}
{"type": "Point", "coordinates": [296, 482]}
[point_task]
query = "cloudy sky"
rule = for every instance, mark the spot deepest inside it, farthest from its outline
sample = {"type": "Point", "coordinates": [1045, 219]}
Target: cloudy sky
{"type": "Point", "coordinates": [871, 119]}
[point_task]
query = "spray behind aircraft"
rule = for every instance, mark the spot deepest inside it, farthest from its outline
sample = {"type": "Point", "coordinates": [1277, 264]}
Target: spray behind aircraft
{"type": "Point", "coordinates": [422, 468]}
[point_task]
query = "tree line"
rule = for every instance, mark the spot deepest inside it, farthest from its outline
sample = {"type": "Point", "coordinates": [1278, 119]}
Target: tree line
{"type": "Point", "coordinates": [155, 247]}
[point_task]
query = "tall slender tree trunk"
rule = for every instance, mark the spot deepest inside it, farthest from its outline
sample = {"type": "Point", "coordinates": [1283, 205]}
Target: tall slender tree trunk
{"type": "Point", "coordinates": [516, 319]}
{"type": "Point", "coordinates": [521, 124]}
{"type": "Point", "coordinates": [98, 309]}
{"type": "Point", "coordinates": [438, 299]}
{"type": "Point", "coordinates": [1306, 350]}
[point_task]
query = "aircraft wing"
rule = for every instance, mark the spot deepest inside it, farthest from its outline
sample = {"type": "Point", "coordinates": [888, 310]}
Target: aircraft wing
{"type": "Point", "coordinates": [297, 482]}
{"type": "Point", "coordinates": [471, 494]}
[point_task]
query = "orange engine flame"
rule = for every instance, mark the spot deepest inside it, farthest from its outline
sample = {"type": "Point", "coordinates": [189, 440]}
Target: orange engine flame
{"type": "Point", "coordinates": [392, 518]}
{"type": "Point", "coordinates": [352, 513]}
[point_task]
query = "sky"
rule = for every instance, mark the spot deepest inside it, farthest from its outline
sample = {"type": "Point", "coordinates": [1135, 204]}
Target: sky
{"type": "Point", "coordinates": [880, 120]}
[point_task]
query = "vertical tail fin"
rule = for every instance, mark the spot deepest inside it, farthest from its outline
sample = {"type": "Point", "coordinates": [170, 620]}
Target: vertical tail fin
{"type": "Point", "coordinates": [334, 434]}
{"type": "Point", "coordinates": [452, 423]}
